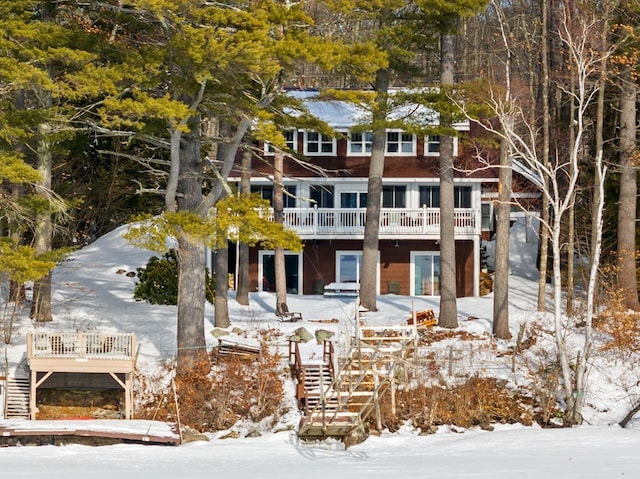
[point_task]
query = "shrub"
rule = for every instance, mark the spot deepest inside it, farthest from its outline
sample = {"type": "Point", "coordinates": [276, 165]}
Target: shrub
{"type": "Point", "coordinates": [158, 281]}
{"type": "Point", "coordinates": [236, 388]}
{"type": "Point", "coordinates": [477, 401]}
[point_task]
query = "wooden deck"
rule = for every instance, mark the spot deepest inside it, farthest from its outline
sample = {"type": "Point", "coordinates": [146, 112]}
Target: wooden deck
{"type": "Point", "coordinates": [98, 432]}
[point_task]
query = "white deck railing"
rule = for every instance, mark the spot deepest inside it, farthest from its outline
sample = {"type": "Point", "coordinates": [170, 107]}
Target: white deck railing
{"type": "Point", "coordinates": [80, 345]}
{"type": "Point", "coordinates": [393, 221]}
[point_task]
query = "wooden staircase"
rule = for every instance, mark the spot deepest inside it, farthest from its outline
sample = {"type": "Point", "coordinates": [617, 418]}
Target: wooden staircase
{"type": "Point", "coordinates": [17, 397]}
{"type": "Point", "coordinates": [375, 362]}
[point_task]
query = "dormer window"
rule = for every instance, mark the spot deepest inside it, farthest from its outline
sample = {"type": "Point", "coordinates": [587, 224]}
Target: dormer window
{"type": "Point", "coordinates": [400, 143]}
{"type": "Point", "coordinates": [290, 139]}
{"type": "Point", "coordinates": [360, 143]}
{"type": "Point", "coordinates": [318, 144]}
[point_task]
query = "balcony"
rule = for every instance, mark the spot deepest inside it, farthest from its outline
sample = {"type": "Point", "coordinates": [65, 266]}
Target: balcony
{"type": "Point", "coordinates": [349, 223]}
{"type": "Point", "coordinates": [81, 352]}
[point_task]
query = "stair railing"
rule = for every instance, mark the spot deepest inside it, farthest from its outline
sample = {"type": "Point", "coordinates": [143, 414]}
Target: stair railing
{"type": "Point", "coordinates": [5, 378]}
{"type": "Point", "coordinates": [354, 356]}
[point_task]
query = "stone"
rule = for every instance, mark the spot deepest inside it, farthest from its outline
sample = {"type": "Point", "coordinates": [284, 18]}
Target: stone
{"type": "Point", "coordinates": [323, 335]}
{"type": "Point", "coordinates": [301, 335]}
{"type": "Point", "coordinates": [217, 332]}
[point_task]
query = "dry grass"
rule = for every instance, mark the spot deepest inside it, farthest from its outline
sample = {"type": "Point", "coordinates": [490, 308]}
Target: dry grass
{"type": "Point", "coordinates": [215, 396]}
{"type": "Point", "coordinates": [478, 401]}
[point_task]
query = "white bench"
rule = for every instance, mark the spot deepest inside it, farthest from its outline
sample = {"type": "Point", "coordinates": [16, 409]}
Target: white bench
{"type": "Point", "coordinates": [342, 289]}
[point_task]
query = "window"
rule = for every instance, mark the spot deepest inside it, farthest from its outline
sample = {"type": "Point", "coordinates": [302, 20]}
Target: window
{"type": "Point", "coordinates": [487, 216]}
{"type": "Point", "coordinates": [425, 268]}
{"type": "Point", "coordinates": [353, 200]}
{"type": "Point", "coordinates": [290, 139]}
{"type": "Point", "coordinates": [348, 267]}
{"type": "Point", "coordinates": [400, 143]}
{"type": "Point", "coordinates": [393, 196]}
{"type": "Point", "coordinates": [360, 143]}
{"type": "Point", "coordinates": [266, 191]}
{"type": "Point", "coordinates": [432, 145]}
{"type": "Point", "coordinates": [462, 196]}
{"type": "Point", "coordinates": [321, 196]}
{"type": "Point", "coordinates": [267, 272]}
{"type": "Point", "coordinates": [318, 144]}
{"type": "Point", "coordinates": [430, 196]}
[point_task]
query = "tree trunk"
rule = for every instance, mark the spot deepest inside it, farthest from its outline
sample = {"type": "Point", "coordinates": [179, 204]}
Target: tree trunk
{"type": "Point", "coordinates": [501, 279]}
{"type": "Point", "coordinates": [278, 217]}
{"type": "Point", "coordinates": [242, 285]}
{"type": "Point", "coordinates": [543, 229]}
{"type": "Point", "coordinates": [370, 243]}
{"type": "Point", "coordinates": [448, 304]}
{"type": "Point", "coordinates": [220, 303]}
{"type": "Point", "coordinates": [191, 284]}
{"type": "Point", "coordinates": [627, 279]}
{"type": "Point", "coordinates": [191, 262]}
{"type": "Point", "coordinates": [41, 304]}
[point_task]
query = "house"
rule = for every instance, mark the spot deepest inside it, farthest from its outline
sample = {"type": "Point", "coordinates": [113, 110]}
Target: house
{"type": "Point", "coordinates": [327, 209]}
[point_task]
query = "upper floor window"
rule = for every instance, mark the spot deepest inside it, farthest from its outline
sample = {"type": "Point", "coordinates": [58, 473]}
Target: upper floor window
{"type": "Point", "coordinates": [318, 144]}
{"type": "Point", "coordinates": [394, 196]}
{"type": "Point", "coordinates": [432, 145]}
{"type": "Point", "coordinates": [462, 196]}
{"type": "Point", "coordinates": [400, 143]}
{"type": "Point", "coordinates": [266, 191]}
{"type": "Point", "coordinates": [290, 139]}
{"type": "Point", "coordinates": [321, 196]}
{"type": "Point", "coordinates": [360, 142]}
{"type": "Point", "coordinates": [430, 196]}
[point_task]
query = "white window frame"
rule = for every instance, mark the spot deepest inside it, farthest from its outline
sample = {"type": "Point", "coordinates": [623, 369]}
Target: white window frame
{"type": "Point", "coordinates": [427, 142]}
{"type": "Point", "coordinates": [412, 269]}
{"type": "Point", "coordinates": [359, 254]}
{"type": "Point", "coordinates": [401, 143]}
{"type": "Point", "coordinates": [322, 140]}
{"type": "Point", "coordinates": [365, 142]}
{"type": "Point", "coordinates": [262, 253]}
{"type": "Point", "coordinates": [291, 144]}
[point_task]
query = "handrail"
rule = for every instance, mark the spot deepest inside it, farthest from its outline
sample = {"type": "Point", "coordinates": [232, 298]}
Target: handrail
{"type": "Point", "coordinates": [410, 221]}
{"type": "Point", "coordinates": [6, 379]}
{"type": "Point", "coordinates": [80, 345]}
{"type": "Point", "coordinates": [333, 391]}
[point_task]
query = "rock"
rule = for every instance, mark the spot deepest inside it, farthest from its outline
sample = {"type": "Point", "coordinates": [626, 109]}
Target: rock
{"type": "Point", "coordinates": [191, 435]}
{"type": "Point", "coordinates": [254, 433]}
{"type": "Point", "coordinates": [323, 335]}
{"type": "Point", "coordinates": [486, 426]}
{"type": "Point", "coordinates": [431, 429]}
{"type": "Point", "coordinates": [301, 335]}
{"type": "Point", "coordinates": [217, 332]}
{"type": "Point", "coordinates": [357, 435]}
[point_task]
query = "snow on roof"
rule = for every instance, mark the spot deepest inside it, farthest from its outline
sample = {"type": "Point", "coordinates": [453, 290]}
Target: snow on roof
{"type": "Point", "coordinates": [341, 114]}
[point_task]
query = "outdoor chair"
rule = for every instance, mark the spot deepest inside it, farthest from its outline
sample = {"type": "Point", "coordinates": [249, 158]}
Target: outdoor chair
{"type": "Point", "coordinates": [288, 316]}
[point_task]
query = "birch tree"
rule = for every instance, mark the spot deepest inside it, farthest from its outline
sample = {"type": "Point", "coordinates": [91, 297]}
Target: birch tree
{"type": "Point", "coordinates": [577, 33]}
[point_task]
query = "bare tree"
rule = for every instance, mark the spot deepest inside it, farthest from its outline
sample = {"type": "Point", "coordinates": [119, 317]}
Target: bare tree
{"type": "Point", "coordinates": [576, 32]}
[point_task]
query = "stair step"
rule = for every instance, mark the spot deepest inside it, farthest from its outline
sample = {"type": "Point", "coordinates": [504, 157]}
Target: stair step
{"type": "Point", "coordinates": [18, 389]}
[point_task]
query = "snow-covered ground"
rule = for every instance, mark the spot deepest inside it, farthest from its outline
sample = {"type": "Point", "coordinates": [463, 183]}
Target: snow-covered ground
{"type": "Point", "coordinates": [93, 292]}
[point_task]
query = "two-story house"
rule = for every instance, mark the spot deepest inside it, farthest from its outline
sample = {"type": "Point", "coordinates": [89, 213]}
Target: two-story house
{"type": "Point", "coordinates": [327, 209]}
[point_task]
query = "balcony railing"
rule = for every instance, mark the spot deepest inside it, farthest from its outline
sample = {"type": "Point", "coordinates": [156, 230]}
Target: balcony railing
{"type": "Point", "coordinates": [393, 221]}
{"type": "Point", "coordinates": [80, 345]}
